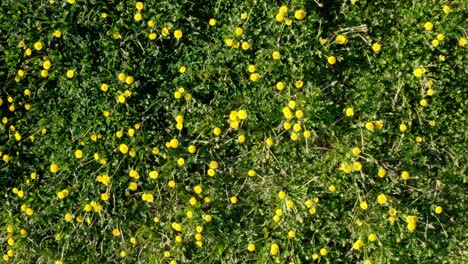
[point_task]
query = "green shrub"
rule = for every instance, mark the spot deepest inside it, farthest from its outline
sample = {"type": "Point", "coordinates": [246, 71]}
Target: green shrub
{"type": "Point", "coordinates": [233, 131]}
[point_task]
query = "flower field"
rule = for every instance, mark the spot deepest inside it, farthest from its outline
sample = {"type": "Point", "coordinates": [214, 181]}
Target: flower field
{"type": "Point", "coordinates": [303, 131]}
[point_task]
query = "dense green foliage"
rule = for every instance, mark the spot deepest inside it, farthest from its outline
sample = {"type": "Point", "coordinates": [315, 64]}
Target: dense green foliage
{"type": "Point", "coordinates": [233, 131]}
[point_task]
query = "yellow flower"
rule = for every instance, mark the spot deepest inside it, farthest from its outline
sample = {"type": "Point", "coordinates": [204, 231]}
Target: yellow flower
{"type": "Point", "coordinates": [299, 84]}
{"type": "Point", "coordinates": [68, 217]}
{"type": "Point", "coordinates": [292, 104]}
{"type": "Point", "coordinates": [29, 211]}
{"type": "Point", "coordinates": [440, 36]}
{"type": "Point", "coordinates": [363, 205]}
{"type": "Point", "coordinates": [38, 45]}
{"type": "Point", "coordinates": [462, 42]}
{"type": "Point", "coordinates": [357, 166]}
{"type": "Point", "coordinates": [376, 47]}
{"type": "Point", "coordinates": [217, 131]}
{"type": "Point", "coordinates": [411, 220]}
{"type": "Point", "coordinates": [323, 251]}
{"type": "Point", "coordinates": [239, 31]}
{"type": "Point", "coordinates": [446, 9]}
{"type": "Point", "coordinates": [438, 210]}
{"type": "Point", "coordinates": [46, 64]}
{"type": "Point", "coordinates": [423, 102]}
{"type": "Point", "coordinates": [241, 138]}
{"type": "Point", "coordinates": [279, 212]}
{"type": "Point", "coordinates": [276, 55]}
{"type": "Point", "coordinates": [269, 141]}
{"type": "Point", "coordinates": [129, 80]}
{"type": "Point", "coordinates": [78, 154]}
{"type": "Point", "coordinates": [174, 143]}
{"type": "Point", "coordinates": [178, 34]}
{"type": "Point", "coordinates": [379, 124]}
{"type": "Point", "coordinates": [53, 168]}
{"type": "Point", "coordinates": [116, 232]}
{"type": "Point", "coordinates": [254, 77]}
{"type": "Point", "coordinates": [280, 86]}
{"type": "Point", "coordinates": [372, 237]}
{"type": "Point", "coordinates": [70, 74]}
{"type": "Point", "coordinates": [340, 39]}
{"type": "Point", "coordinates": [147, 197]}
{"type": "Point", "coordinates": [281, 195]}
{"type": "Point", "coordinates": [251, 173]}
{"type": "Point", "coordinates": [331, 60]}
{"type": "Point", "coordinates": [134, 174]}
{"type": "Point", "coordinates": [122, 76]}
{"type": "Point", "coordinates": [137, 17]}
{"type": "Point", "coordinates": [403, 127]}
{"type": "Point", "coordinates": [245, 45]}
{"type": "Point", "coordinates": [251, 247]}
{"type": "Point", "coordinates": [104, 196]}
{"type": "Point", "coordinates": [207, 218]}
{"type": "Point", "coordinates": [153, 174]}
{"type": "Point", "coordinates": [428, 26]}
{"type": "Point", "coordinates": [139, 5]}
{"type": "Point", "coordinates": [17, 136]}
{"type": "Point", "coordinates": [299, 14]}
{"type": "Point", "coordinates": [71, 2]}
{"type": "Point", "coordinates": [233, 200]}
{"type": "Point", "coordinates": [57, 34]}
{"type": "Point", "coordinates": [297, 127]}
{"type": "Point", "coordinates": [123, 148]}
{"type": "Point", "coordinates": [28, 52]}
{"type": "Point", "coordinates": [132, 186]}
{"type": "Point", "coordinates": [283, 9]}
{"type": "Point", "coordinates": [279, 17]}
{"type": "Point", "coordinates": [274, 249]}
{"type": "Point", "coordinates": [370, 126]}
{"type": "Point", "coordinates": [299, 114]}
{"type": "Point", "coordinates": [356, 151]}
{"type": "Point", "coordinates": [229, 42]}
{"type": "Point", "coordinates": [104, 87]}
{"type": "Point", "coordinates": [251, 68]}
{"type": "Point", "coordinates": [358, 244]}
{"type": "Point", "coordinates": [435, 42]}
{"type": "Point", "coordinates": [323, 41]}
{"type": "Point", "coordinates": [197, 189]}
{"type": "Point", "coordinates": [212, 22]}
{"type": "Point", "coordinates": [243, 16]}
{"type": "Point", "coordinates": [165, 32]}
{"type": "Point", "coordinates": [405, 175]}
{"type": "Point", "coordinates": [181, 161]}
{"type": "Point", "coordinates": [349, 111]}
{"type": "Point", "coordinates": [292, 234]}
{"type": "Point", "coordinates": [418, 72]}
{"type": "Point", "coordinates": [381, 172]}
{"type": "Point", "coordinates": [381, 198]}
{"type": "Point", "coordinates": [332, 188]}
